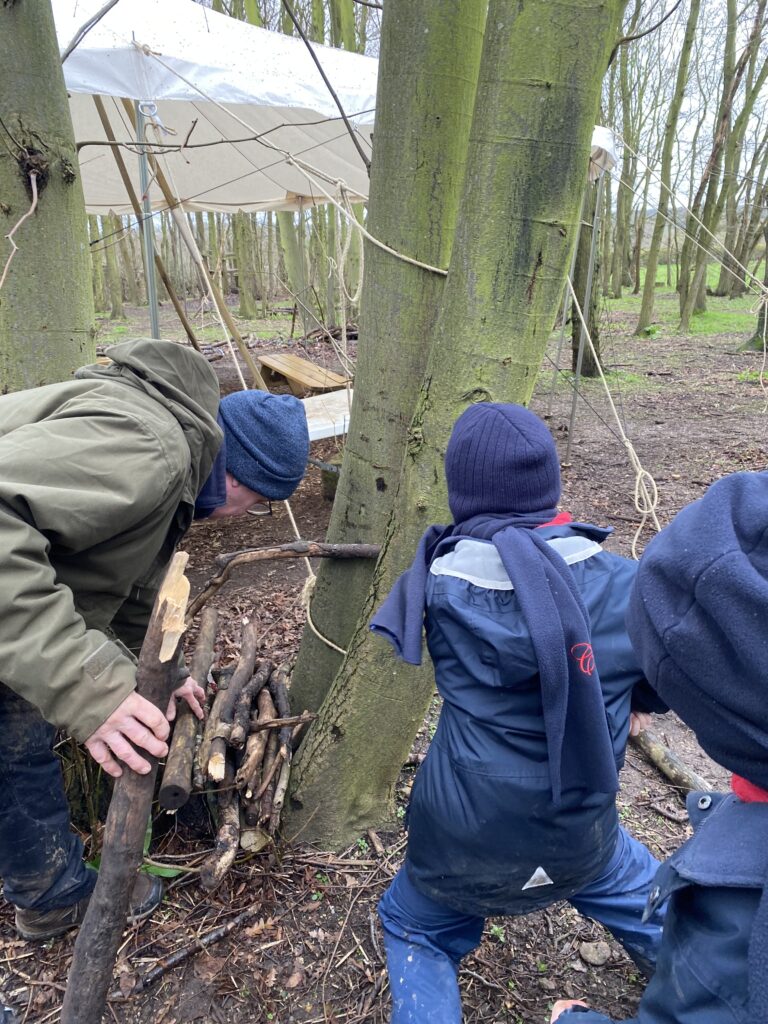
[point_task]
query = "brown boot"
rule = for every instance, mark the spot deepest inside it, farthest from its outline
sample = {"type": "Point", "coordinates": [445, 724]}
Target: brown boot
{"type": "Point", "coordinates": [37, 925]}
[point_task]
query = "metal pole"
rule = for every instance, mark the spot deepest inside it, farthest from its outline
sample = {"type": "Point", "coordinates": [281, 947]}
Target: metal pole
{"type": "Point", "coordinates": [585, 310]}
{"type": "Point", "coordinates": [148, 228]}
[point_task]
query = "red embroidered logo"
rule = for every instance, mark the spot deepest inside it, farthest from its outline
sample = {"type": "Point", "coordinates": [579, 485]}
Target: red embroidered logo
{"type": "Point", "coordinates": [585, 658]}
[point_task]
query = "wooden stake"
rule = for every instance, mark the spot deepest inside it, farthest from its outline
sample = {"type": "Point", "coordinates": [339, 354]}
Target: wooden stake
{"type": "Point", "coordinates": [242, 675]}
{"type": "Point", "coordinates": [241, 718]}
{"type": "Point", "coordinates": [176, 786]}
{"type": "Point", "coordinates": [221, 860]}
{"type": "Point", "coordinates": [99, 936]}
{"type": "Point", "coordinates": [255, 747]}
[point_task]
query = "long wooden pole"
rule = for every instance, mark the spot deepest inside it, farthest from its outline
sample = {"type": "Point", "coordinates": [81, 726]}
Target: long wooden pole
{"type": "Point", "coordinates": [131, 192]}
{"type": "Point", "coordinates": [99, 938]}
{"type": "Point", "coordinates": [173, 203]}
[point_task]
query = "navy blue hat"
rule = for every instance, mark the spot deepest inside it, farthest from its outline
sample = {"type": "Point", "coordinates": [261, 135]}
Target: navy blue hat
{"type": "Point", "coordinates": [501, 458]}
{"type": "Point", "coordinates": [697, 619]}
{"type": "Point", "coordinates": [267, 441]}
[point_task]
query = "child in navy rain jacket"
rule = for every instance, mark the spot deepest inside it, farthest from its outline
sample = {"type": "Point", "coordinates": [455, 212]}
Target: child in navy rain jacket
{"type": "Point", "coordinates": [514, 806]}
{"type": "Point", "coordinates": [698, 618]}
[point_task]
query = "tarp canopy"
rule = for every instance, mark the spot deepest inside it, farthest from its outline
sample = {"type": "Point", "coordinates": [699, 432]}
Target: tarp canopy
{"type": "Point", "coordinates": [204, 70]}
{"type": "Point", "coordinates": [207, 78]}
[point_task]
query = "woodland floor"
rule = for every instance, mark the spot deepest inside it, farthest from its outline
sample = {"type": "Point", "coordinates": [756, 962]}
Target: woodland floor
{"type": "Point", "coordinates": [694, 410]}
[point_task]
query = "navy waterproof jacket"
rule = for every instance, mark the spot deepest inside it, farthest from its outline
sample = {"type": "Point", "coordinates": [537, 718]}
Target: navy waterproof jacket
{"type": "Point", "coordinates": [715, 882]}
{"type": "Point", "coordinates": [484, 835]}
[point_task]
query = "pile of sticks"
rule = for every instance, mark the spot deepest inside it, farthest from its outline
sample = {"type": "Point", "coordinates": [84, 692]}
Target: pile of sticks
{"type": "Point", "coordinates": [241, 756]}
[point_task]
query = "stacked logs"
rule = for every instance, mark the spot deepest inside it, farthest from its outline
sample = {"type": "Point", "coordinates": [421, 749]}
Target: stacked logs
{"type": "Point", "coordinates": [242, 755]}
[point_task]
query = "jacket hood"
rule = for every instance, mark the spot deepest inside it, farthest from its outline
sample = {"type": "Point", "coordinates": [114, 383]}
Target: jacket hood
{"type": "Point", "coordinates": [182, 381]}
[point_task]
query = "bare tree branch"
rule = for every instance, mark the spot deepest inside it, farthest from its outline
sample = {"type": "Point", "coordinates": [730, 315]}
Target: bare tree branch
{"type": "Point", "coordinates": [645, 32]}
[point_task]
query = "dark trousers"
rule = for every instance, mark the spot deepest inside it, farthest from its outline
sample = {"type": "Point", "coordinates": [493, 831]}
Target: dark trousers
{"type": "Point", "coordinates": [41, 860]}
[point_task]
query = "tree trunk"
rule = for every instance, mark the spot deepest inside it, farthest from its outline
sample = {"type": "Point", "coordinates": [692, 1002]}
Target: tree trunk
{"type": "Point", "coordinates": [95, 246]}
{"type": "Point", "coordinates": [427, 74]}
{"type": "Point", "coordinates": [759, 340]}
{"type": "Point", "coordinates": [242, 243]}
{"type": "Point", "coordinates": [670, 133]}
{"type": "Point", "coordinates": [111, 231]}
{"type": "Point", "coordinates": [519, 211]}
{"type": "Point", "coordinates": [46, 308]}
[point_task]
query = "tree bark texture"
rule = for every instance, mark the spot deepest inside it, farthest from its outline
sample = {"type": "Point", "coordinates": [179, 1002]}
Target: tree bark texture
{"type": "Point", "coordinates": [537, 98]}
{"type": "Point", "coordinates": [430, 56]}
{"type": "Point", "coordinates": [46, 308]}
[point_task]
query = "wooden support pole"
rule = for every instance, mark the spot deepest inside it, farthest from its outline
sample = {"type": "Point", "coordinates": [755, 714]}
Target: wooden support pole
{"type": "Point", "coordinates": [176, 785]}
{"type": "Point", "coordinates": [173, 203]}
{"type": "Point", "coordinates": [128, 184]}
{"type": "Point", "coordinates": [99, 937]}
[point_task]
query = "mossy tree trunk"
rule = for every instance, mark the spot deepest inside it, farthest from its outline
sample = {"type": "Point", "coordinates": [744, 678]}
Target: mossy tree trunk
{"type": "Point", "coordinates": [536, 102]}
{"type": "Point", "coordinates": [428, 69]}
{"type": "Point", "coordinates": [46, 308]}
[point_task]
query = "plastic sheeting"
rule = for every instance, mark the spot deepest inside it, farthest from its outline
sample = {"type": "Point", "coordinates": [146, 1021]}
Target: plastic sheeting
{"type": "Point", "coordinates": [198, 71]}
{"type": "Point", "coordinates": [202, 70]}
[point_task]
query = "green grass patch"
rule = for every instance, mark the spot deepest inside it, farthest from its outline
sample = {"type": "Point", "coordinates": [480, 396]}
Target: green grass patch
{"type": "Point", "coordinates": [723, 316]}
{"type": "Point", "coordinates": [750, 377]}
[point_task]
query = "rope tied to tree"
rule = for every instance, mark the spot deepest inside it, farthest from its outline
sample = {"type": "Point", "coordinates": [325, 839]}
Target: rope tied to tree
{"type": "Point", "coordinates": [646, 492]}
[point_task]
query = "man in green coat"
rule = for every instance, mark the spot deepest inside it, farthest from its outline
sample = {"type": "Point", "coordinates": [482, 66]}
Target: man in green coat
{"type": "Point", "coordinates": [99, 480]}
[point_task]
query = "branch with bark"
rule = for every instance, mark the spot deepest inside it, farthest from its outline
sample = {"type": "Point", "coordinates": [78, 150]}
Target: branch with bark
{"type": "Point", "coordinates": [297, 549]}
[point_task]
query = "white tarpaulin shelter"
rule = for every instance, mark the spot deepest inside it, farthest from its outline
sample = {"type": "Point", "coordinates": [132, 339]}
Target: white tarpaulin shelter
{"type": "Point", "coordinates": [204, 71]}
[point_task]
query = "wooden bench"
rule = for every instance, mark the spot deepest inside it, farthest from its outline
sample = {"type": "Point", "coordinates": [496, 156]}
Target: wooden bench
{"type": "Point", "coordinates": [301, 374]}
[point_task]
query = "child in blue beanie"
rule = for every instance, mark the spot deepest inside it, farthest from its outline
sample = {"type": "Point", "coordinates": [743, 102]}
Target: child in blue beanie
{"type": "Point", "coordinates": [263, 456]}
{"type": "Point", "coordinates": [697, 618]}
{"type": "Point", "coordinates": [514, 806]}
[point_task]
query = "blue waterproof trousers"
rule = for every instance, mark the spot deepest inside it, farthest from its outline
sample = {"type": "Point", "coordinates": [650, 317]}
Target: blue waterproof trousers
{"type": "Point", "coordinates": [425, 941]}
{"type": "Point", "coordinates": [41, 860]}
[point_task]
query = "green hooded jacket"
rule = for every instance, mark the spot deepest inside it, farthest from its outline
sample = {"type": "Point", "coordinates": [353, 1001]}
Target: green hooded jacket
{"type": "Point", "coordinates": [98, 479]}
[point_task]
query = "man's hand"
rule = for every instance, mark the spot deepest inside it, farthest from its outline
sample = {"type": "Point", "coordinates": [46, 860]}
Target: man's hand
{"type": "Point", "coordinates": [562, 1005]}
{"type": "Point", "coordinates": [136, 720]}
{"type": "Point", "coordinates": [192, 693]}
{"type": "Point", "coordinates": [639, 721]}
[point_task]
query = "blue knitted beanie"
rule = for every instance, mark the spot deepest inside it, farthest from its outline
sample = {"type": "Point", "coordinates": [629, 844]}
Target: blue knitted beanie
{"type": "Point", "coordinates": [501, 458]}
{"type": "Point", "coordinates": [267, 441]}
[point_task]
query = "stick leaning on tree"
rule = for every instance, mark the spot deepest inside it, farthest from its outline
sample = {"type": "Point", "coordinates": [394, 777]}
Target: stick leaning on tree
{"type": "Point", "coordinates": [99, 937]}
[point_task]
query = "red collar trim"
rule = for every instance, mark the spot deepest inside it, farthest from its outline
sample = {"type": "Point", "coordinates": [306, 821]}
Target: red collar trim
{"type": "Point", "coordinates": [748, 791]}
{"type": "Point", "coordinates": [560, 520]}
